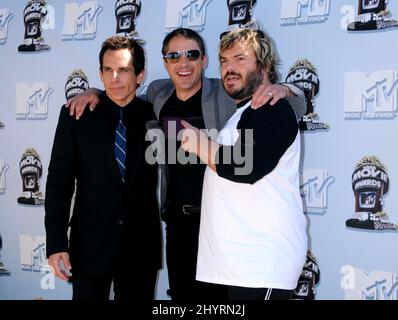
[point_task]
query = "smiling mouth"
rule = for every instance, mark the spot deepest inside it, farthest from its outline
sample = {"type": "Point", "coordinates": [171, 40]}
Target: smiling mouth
{"type": "Point", "coordinates": [184, 73]}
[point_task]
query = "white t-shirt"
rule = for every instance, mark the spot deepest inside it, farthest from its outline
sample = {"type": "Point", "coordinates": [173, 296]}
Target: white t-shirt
{"type": "Point", "coordinates": [253, 235]}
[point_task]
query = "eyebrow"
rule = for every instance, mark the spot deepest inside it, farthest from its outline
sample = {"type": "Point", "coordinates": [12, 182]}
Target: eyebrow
{"type": "Point", "coordinates": [240, 55]}
{"type": "Point", "coordinates": [120, 68]}
{"type": "Point", "coordinates": [235, 56]}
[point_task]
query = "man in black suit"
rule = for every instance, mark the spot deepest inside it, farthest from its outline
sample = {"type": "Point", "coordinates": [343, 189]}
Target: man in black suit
{"type": "Point", "coordinates": [115, 232]}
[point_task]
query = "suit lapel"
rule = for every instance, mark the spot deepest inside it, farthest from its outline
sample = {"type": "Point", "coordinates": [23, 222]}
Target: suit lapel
{"type": "Point", "coordinates": [161, 98]}
{"type": "Point", "coordinates": [208, 105]}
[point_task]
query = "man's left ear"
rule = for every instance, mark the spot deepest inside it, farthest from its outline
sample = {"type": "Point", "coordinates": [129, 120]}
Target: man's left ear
{"type": "Point", "coordinates": [205, 61]}
{"type": "Point", "coordinates": [140, 77]}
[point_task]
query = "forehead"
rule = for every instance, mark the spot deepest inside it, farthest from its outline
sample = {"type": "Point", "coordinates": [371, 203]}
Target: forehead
{"type": "Point", "coordinates": [118, 57]}
{"type": "Point", "coordinates": [182, 43]}
{"type": "Point", "coordinates": [237, 48]}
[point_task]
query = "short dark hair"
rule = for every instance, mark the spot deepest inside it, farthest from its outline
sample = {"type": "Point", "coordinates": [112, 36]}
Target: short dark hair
{"type": "Point", "coordinates": [118, 42]}
{"type": "Point", "coordinates": [185, 33]}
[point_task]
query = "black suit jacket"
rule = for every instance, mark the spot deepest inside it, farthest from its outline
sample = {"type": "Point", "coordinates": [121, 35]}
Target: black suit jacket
{"type": "Point", "coordinates": [108, 215]}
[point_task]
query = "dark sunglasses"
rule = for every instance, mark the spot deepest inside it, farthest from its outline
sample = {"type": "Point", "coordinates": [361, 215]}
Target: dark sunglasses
{"type": "Point", "coordinates": [174, 57]}
{"type": "Point", "coordinates": [260, 34]}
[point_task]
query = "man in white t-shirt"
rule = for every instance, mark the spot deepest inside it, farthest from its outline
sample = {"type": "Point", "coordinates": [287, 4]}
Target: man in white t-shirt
{"type": "Point", "coordinates": [252, 230]}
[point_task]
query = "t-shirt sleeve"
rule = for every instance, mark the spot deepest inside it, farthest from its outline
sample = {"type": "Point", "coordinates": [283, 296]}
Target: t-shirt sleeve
{"type": "Point", "coordinates": [264, 136]}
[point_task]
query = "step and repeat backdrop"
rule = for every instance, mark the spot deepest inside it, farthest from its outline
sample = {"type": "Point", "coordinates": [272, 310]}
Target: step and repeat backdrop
{"type": "Point", "coordinates": [343, 52]}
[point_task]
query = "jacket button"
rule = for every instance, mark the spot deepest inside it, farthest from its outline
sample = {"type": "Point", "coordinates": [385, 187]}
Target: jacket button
{"type": "Point", "coordinates": [120, 222]}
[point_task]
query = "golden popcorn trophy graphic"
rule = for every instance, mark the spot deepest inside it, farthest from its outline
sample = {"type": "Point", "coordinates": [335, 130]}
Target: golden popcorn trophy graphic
{"type": "Point", "coordinates": [240, 13]}
{"type": "Point", "coordinates": [76, 83]}
{"type": "Point", "coordinates": [34, 14]}
{"type": "Point", "coordinates": [370, 183]}
{"type": "Point", "coordinates": [31, 170]}
{"type": "Point", "coordinates": [372, 15]}
{"type": "Point", "coordinates": [304, 74]}
{"type": "Point", "coordinates": [308, 280]}
{"type": "Point", "coordinates": [126, 13]}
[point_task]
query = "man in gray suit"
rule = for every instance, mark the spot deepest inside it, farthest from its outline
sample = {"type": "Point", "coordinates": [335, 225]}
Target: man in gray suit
{"type": "Point", "coordinates": [189, 95]}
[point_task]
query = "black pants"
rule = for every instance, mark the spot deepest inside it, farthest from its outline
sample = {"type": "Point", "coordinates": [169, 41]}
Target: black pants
{"type": "Point", "coordinates": [132, 278]}
{"type": "Point", "coordinates": [128, 287]}
{"type": "Point", "coordinates": [182, 233]}
{"type": "Point", "coordinates": [243, 293]}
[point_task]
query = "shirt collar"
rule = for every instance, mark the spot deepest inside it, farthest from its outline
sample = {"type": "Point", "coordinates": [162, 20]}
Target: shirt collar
{"type": "Point", "coordinates": [115, 108]}
{"type": "Point", "coordinates": [243, 102]}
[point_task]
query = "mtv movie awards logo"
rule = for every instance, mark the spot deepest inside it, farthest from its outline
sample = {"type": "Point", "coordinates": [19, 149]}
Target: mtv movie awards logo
{"type": "Point", "coordinates": [80, 20]}
{"type": "Point", "coordinates": [77, 82]}
{"type": "Point", "coordinates": [371, 95]}
{"type": "Point", "coordinates": [186, 13]}
{"type": "Point", "coordinates": [240, 13]}
{"type": "Point", "coordinates": [370, 182]}
{"type": "Point", "coordinates": [32, 253]}
{"type": "Point", "coordinates": [314, 190]}
{"type": "Point", "coordinates": [375, 285]}
{"type": "Point", "coordinates": [34, 16]}
{"type": "Point", "coordinates": [126, 13]}
{"type": "Point", "coordinates": [308, 280]}
{"type": "Point", "coordinates": [304, 74]}
{"type": "Point", "coordinates": [372, 15]}
{"type": "Point", "coordinates": [5, 17]}
{"type": "Point", "coordinates": [304, 11]}
{"type": "Point", "coordinates": [31, 170]}
{"type": "Point", "coordinates": [32, 100]}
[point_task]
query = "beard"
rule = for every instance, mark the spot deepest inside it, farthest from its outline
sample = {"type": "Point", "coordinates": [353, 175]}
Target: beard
{"type": "Point", "coordinates": [252, 82]}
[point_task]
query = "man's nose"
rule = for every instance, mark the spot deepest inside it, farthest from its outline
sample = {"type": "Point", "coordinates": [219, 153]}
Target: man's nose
{"type": "Point", "coordinates": [229, 66]}
{"type": "Point", "coordinates": [115, 75]}
{"type": "Point", "coordinates": [183, 59]}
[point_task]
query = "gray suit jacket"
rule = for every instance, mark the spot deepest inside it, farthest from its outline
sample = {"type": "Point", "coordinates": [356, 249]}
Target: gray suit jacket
{"type": "Point", "coordinates": [217, 108]}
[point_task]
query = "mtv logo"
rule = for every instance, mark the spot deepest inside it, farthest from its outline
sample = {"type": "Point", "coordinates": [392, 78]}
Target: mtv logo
{"type": "Point", "coordinates": [367, 199]}
{"type": "Point", "coordinates": [291, 9]}
{"type": "Point", "coordinates": [32, 252]}
{"type": "Point", "coordinates": [375, 285]}
{"type": "Point", "coordinates": [186, 13]}
{"type": "Point", "coordinates": [5, 17]}
{"type": "Point", "coordinates": [80, 21]}
{"type": "Point", "coordinates": [239, 12]}
{"type": "Point", "coordinates": [3, 169]}
{"type": "Point", "coordinates": [370, 4]}
{"type": "Point", "coordinates": [314, 190]}
{"type": "Point", "coordinates": [372, 93]}
{"type": "Point", "coordinates": [32, 100]}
